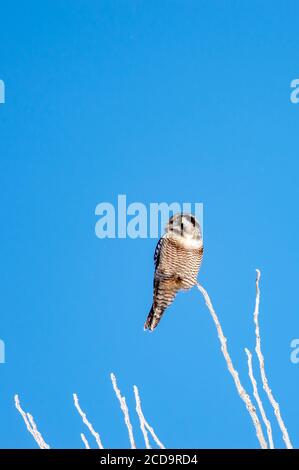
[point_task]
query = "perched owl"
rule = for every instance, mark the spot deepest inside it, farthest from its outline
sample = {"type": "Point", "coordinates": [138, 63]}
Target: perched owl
{"type": "Point", "coordinates": [177, 260]}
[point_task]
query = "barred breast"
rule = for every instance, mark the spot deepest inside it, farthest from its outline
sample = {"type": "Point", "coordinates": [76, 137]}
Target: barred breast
{"type": "Point", "coordinates": [179, 262]}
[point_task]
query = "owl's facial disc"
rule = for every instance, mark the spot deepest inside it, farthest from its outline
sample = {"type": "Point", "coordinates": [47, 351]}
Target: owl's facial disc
{"type": "Point", "coordinates": [184, 225]}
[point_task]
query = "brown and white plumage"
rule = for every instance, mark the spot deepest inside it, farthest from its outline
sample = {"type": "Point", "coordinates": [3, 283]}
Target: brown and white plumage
{"type": "Point", "coordinates": [177, 260]}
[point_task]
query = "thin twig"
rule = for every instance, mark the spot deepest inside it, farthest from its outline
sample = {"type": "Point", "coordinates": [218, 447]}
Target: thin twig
{"type": "Point", "coordinates": [261, 359]}
{"type": "Point", "coordinates": [241, 391]}
{"type": "Point", "coordinates": [86, 422]}
{"type": "Point", "coordinates": [258, 399]}
{"type": "Point", "coordinates": [141, 418]}
{"type": "Point", "coordinates": [31, 426]}
{"type": "Point", "coordinates": [144, 425]}
{"type": "Point", "coordinates": [125, 410]}
{"type": "Point", "coordinates": [85, 441]}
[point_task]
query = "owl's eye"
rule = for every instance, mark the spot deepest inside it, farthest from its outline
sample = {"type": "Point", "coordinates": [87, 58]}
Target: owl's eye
{"type": "Point", "coordinates": [192, 220]}
{"type": "Point", "coordinates": [182, 226]}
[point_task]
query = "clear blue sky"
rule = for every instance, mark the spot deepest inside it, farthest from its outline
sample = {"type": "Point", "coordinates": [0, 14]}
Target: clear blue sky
{"type": "Point", "coordinates": [161, 101]}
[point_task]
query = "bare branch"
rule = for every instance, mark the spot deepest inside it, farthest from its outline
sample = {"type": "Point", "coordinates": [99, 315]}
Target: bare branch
{"type": "Point", "coordinates": [125, 410]}
{"type": "Point", "coordinates": [87, 423]}
{"type": "Point", "coordinates": [258, 399]}
{"type": "Point", "coordinates": [241, 391]}
{"type": "Point", "coordinates": [261, 359]}
{"type": "Point", "coordinates": [85, 441]}
{"type": "Point", "coordinates": [144, 424]}
{"type": "Point", "coordinates": [31, 426]}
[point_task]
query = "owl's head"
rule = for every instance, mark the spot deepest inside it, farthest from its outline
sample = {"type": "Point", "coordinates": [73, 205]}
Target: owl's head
{"type": "Point", "coordinates": [184, 225]}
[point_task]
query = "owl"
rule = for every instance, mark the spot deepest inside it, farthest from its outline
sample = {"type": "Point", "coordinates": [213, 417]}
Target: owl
{"type": "Point", "coordinates": [177, 259]}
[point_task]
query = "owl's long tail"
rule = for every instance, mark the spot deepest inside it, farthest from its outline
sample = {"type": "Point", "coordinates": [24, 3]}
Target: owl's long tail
{"type": "Point", "coordinates": [153, 318]}
{"type": "Point", "coordinates": [164, 293]}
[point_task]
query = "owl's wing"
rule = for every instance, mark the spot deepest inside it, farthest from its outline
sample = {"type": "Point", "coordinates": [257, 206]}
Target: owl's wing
{"type": "Point", "coordinates": [165, 286]}
{"type": "Point", "coordinates": [164, 267]}
{"type": "Point", "coordinates": [157, 252]}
